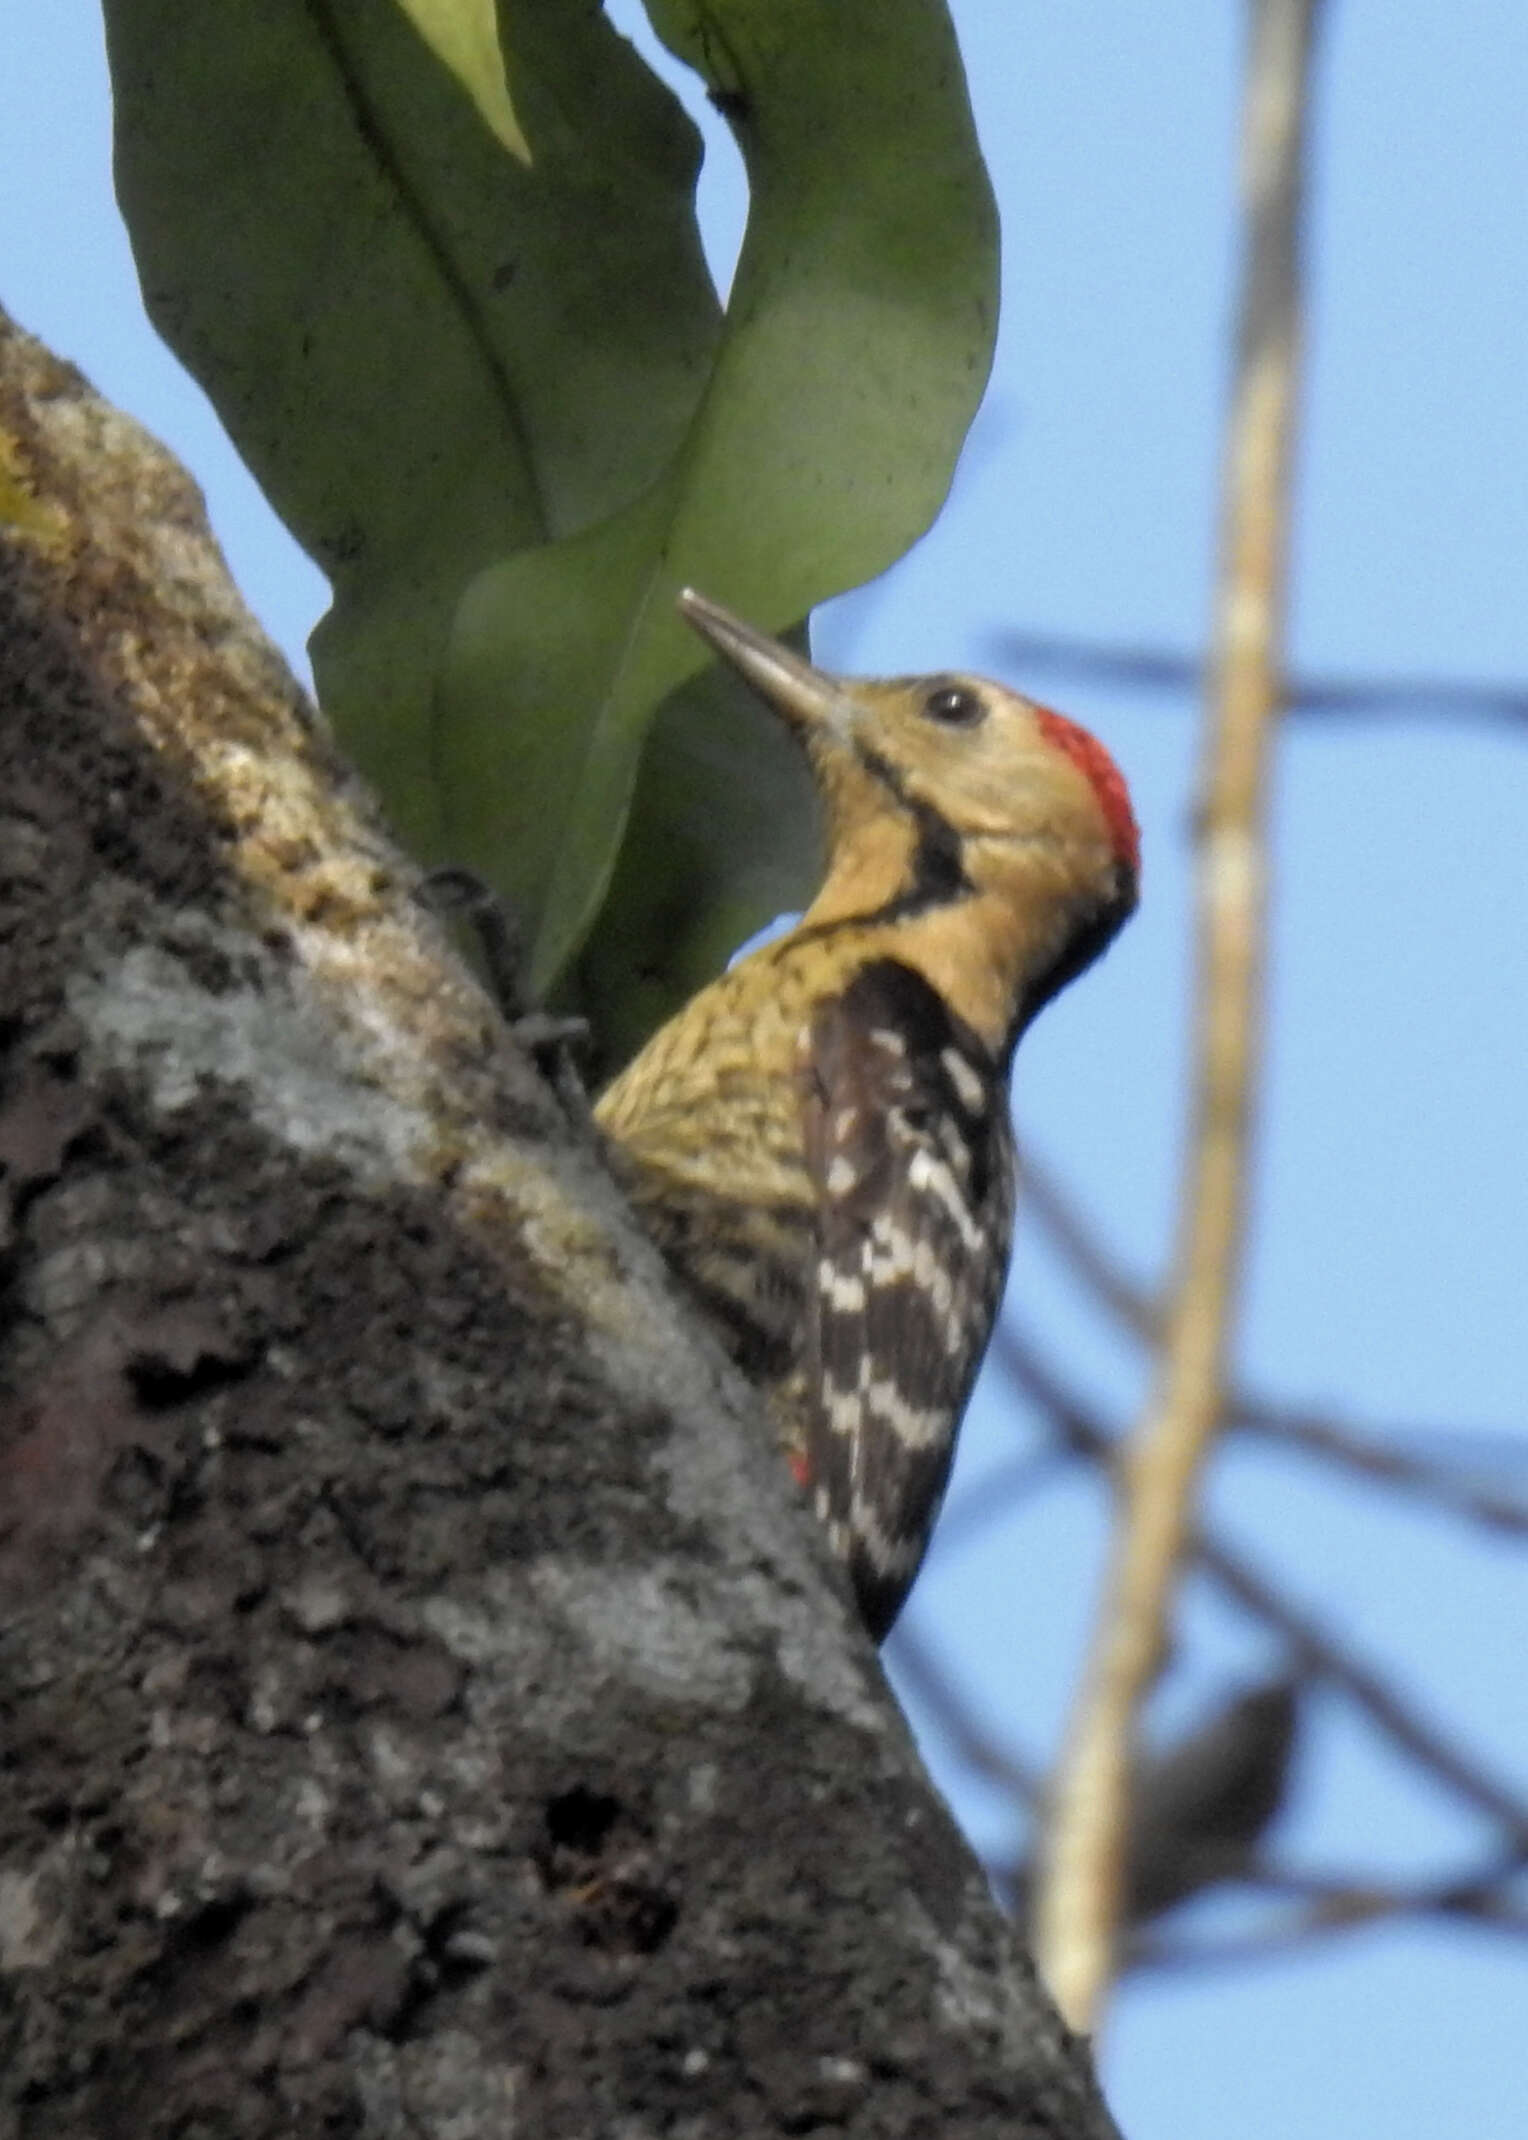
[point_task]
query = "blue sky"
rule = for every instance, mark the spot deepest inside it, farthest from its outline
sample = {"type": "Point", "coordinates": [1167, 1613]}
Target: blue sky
{"type": "Point", "coordinates": [1387, 1275]}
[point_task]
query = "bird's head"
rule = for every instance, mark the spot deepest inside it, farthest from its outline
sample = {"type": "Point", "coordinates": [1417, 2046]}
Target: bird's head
{"type": "Point", "coordinates": [952, 795]}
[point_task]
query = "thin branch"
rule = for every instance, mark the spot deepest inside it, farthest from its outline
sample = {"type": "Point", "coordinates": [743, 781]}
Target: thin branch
{"type": "Point", "coordinates": [1079, 1246]}
{"type": "Point", "coordinates": [1335, 1442]}
{"type": "Point", "coordinates": [1331, 1904]}
{"type": "Point", "coordinates": [1374, 1454]}
{"type": "Point", "coordinates": [1336, 1906]}
{"type": "Point", "coordinates": [1393, 1715]}
{"type": "Point", "coordinates": [1000, 1491]}
{"type": "Point", "coordinates": [1311, 1647]}
{"type": "Point", "coordinates": [1179, 675]}
{"type": "Point", "coordinates": [1080, 1893]}
{"type": "Point", "coordinates": [1458, 1891]}
{"type": "Point", "coordinates": [1079, 1425]}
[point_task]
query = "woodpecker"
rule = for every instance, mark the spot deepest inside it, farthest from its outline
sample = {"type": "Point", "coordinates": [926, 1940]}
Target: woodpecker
{"type": "Point", "coordinates": [819, 1141]}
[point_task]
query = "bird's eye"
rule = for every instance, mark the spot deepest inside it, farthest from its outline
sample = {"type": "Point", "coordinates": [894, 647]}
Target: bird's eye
{"type": "Point", "coordinates": [954, 706]}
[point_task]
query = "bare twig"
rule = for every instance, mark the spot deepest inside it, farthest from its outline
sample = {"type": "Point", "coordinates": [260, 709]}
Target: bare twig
{"type": "Point", "coordinates": [1126, 1299]}
{"type": "Point", "coordinates": [1376, 1454]}
{"type": "Point", "coordinates": [1338, 1906]}
{"type": "Point", "coordinates": [1378, 1458]}
{"type": "Point", "coordinates": [1079, 1901]}
{"type": "Point", "coordinates": [1310, 1647]}
{"type": "Point", "coordinates": [1020, 1359]}
{"type": "Point", "coordinates": [1328, 1905]}
{"type": "Point", "coordinates": [1165, 670]}
{"type": "Point", "coordinates": [1000, 1492]}
{"type": "Point", "coordinates": [1387, 1710]}
{"type": "Point", "coordinates": [1199, 1805]}
{"type": "Point", "coordinates": [1334, 1904]}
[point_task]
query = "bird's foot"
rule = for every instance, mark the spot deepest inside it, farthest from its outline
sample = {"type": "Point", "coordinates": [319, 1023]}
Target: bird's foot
{"type": "Point", "coordinates": [550, 1040]}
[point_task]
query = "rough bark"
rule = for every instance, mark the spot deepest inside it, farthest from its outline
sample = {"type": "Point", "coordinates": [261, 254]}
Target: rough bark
{"type": "Point", "coordinates": [424, 1710]}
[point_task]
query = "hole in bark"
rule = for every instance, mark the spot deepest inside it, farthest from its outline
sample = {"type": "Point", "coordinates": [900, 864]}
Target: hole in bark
{"type": "Point", "coordinates": [158, 1381]}
{"type": "Point", "coordinates": [602, 1862]}
{"type": "Point", "coordinates": [581, 1819]}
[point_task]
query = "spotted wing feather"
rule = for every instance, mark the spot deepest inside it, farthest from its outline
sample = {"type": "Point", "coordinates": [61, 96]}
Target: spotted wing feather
{"type": "Point", "coordinates": [910, 1147]}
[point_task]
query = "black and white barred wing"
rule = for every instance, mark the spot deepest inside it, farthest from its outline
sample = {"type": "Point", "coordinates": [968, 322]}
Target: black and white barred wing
{"type": "Point", "coordinates": [909, 1143]}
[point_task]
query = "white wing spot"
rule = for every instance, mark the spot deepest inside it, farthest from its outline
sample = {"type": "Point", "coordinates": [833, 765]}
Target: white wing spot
{"type": "Point", "coordinates": [890, 1253]}
{"type": "Point", "coordinates": [927, 1171]}
{"type": "Point", "coordinates": [883, 1036]}
{"type": "Point", "coordinates": [968, 1083]}
{"type": "Point", "coordinates": [844, 1409]}
{"type": "Point", "coordinates": [843, 1291]}
{"type": "Point", "coordinates": [837, 1530]}
{"type": "Point", "coordinates": [915, 1426]}
{"type": "Point", "coordinates": [842, 1175]}
{"type": "Point", "coordinates": [930, 1275]}
{"type": "Point", "coordinates": [956, 1150]}
{"type": "Point", "coordinates": [887, 1555]}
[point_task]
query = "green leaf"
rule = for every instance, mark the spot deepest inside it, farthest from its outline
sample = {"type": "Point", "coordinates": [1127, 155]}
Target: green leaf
{"type": "Point", "coordinates": [429, 352]}
{"type": "Point", "coordinates": [465, 35]}
{"type": "Point", "coordinates": [496, 400]}
{"type": "Point", "coordinates": [856, 345]}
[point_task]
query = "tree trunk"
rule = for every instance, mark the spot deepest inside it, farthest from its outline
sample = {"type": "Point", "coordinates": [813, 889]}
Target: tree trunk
{"type": "Point", "coordinates": [424, 1709]}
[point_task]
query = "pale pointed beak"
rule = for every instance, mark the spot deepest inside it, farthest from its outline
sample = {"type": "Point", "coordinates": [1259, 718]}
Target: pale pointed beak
{"type": "Point", "coordinates": [807, 698]}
